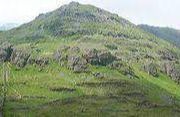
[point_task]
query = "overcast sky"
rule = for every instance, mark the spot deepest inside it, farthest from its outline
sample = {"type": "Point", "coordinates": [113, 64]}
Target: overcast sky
{"type": "Point", "coordinates": [152, 12]}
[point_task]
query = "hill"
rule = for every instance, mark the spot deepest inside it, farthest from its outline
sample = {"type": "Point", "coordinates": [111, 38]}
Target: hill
{"type": "Point", "coordinates": [80, 60]}
{"type": "Point", "coordinates": [169, 34]}
{"type": "Point", "coordinates": [74, 19]}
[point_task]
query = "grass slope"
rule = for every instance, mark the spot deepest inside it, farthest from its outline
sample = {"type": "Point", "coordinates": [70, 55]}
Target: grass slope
{"type": "Point", "coordinates": [59, 91]}
{"type": "Point", "coordinates": [56, 90]}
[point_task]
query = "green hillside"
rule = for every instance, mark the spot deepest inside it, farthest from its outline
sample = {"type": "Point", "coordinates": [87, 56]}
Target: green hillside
{"type": "Point", "coordinates": [80, 60]}
{"type": "Point", "coordinates": [169, 34]}
{"type": "Point", "coordinates": [73, 19]}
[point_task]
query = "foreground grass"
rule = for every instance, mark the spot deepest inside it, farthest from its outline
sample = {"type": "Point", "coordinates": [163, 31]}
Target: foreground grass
{"type": "Point", "coordinates": [59, 91]}
{"type": "Point", "coordinates": [56, 90]}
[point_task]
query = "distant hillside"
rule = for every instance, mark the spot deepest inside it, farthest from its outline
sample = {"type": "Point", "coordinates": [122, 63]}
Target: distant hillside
{"type": "Point", "coordinates": [169, 34]}
{"type": "Point", "coordinates": [8, 26]}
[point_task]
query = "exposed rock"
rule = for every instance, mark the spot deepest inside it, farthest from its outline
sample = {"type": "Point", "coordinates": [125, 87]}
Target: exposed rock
{"type": "Point", "coordinates": [151, 69]}
{"type": "Point", "coordinates": [19, 58]}
{"type": "Point", "coordinates": [77, 64]}
{"type": "Point", "coordinates": [75, 49]}
{"type": "Point", "coordinates": [168, 67]}
{"type": "Point", "coordinates": [91, 56]}
{"type": "Point", "coordinates": [98, 75]}
{"type": "Point", "coordinates": [61, 55]}
{"type": "Point", "coordinates": [123, 68]}
{"type": "Point", "coordinates": [96, 57]}
{"type": "Point", "coordinates": [6, 46]}
{"type": "Point", "coordinates": [42, 61]}
{"type": "Point", "coordinates": [9, 49]}
{"type": "Point", "coordinates": [78, 61]}
{"type": "Point", "coordinates": [66, 56]}
{"type": "Point", "coordinates": [31, 60]}
{"type": "Point", "coordinates": [168, 55]}
{"type": "Point", "coordinates": [128, 71]}
{"type": "Point", "coordinates": [175, 75]}
{"type": "Point", "coordinates": [6, 50]}
{"type": "Point", "coordinates": [173, 71]}
{"type": "Point", "coordinates": [3, 55]}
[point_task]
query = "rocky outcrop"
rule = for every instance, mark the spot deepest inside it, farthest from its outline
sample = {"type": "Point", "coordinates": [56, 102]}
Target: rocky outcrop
{"type": "Point", "coordinates": [91, 56]}
{"type": "Point", "coordinates": [78, 61]}
{"type": "Point", "coordinates": [175, 75]}
{"type": "Point", "coordinates": [19, 58]}
{"type": "Point", "coordinates": [75, 49]}
{"type": "Point", "coordinates": [6, 50]}
{"type": "Point", "coordinates": [71, 57]}
{"type": "Point", "coordinates": [41, 61]}
{"type": "Point", "coordinates": [168, 55]}
{"type": "Point", "coordinates": [123, 68]}
{"type": "Point", "coordinates": [77, 64]}
{"type": "Point", "coordinates": [167, 67]}
{"type": "Point", "coordinates": [173, 71]}
{"type": "Point", "coordinates": [96, 57]}
{"type": "Point", "coordinates": [151, 69]}
{"type": "Point", "coordinates": [61, 55]}
{"type": "Point", "coordinates": [98, 75]}
{"type": "Point", "coordinates": [3, 55]}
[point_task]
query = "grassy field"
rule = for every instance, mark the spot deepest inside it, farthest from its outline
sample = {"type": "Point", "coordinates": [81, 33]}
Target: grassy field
{"type": "Point", "coordinates": [59, 91]}
{"type": "Point", "coordinates": [56, 90]}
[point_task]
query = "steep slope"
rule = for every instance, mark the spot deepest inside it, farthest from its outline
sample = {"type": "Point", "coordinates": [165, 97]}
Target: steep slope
{"type": "Point", "coordinates": [74, 19]}
{"type": "Point", "coordinates": [169, 34]}
{"type": "Point", "coordinates": [80, 60]}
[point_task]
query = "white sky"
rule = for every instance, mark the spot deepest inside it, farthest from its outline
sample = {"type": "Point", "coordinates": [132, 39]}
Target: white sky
{"type": "Point", "coordinates": [153, 12]}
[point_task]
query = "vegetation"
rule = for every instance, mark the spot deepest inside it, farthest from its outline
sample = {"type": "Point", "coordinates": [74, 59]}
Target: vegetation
{"type": "Point", "coordinates": [169, 34]}
{"type": "Point", "coordinates": [80, 60]}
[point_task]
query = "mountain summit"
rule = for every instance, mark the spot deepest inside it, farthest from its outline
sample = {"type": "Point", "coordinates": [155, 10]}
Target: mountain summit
{"type": "Point", "coordinates": [71, 19]}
